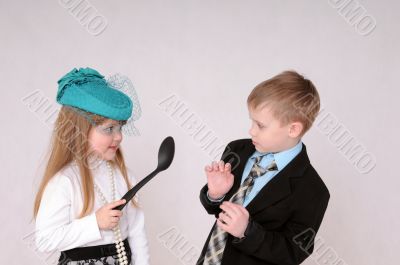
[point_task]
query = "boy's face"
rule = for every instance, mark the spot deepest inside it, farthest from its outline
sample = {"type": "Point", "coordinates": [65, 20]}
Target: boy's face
{"type": "Point", "coordinates": [268, 134]}
{"type": "Point", "coordinates": [105, 139]}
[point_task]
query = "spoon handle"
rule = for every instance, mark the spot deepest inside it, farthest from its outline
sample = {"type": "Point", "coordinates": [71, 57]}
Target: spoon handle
{"type": "Point", "coordinates": [129, 195]}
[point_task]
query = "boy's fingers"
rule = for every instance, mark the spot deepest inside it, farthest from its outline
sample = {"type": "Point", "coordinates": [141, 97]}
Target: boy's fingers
{"type": "Point", "coordinates": [224, 218]}
{"type": "Point", "coordinates": [228, 167]}
{"type": "Point", "coordinates": [215, 166]}
{"type": "Point", "coordinates": [222, 225]}
{"type": "Point", "coordinates": [207, 168]}
{"type": "Point", "coordinates": [243, 210]}
{"type": "Point", "coordinates": [221, 165]}
{"type": "Point", "coordinates": [225, 215]}
{"type": "Point", "coordinates": [231, 208]}
{"type": "Point", "coordinates": [230, 211]}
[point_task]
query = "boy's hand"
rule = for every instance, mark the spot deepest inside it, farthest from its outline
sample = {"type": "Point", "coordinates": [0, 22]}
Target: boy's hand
{"type": "Point", "coordinates": [219, 179]}
{"type": "Point", "coordinates": [107, 218]}
{"type": "Point", "coordinates": [233, 219]}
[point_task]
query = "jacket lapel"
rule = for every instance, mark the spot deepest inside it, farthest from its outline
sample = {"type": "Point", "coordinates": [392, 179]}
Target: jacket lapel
{"type": "Point", "coordinates": [243, 153]}
{"type": "Point", "coordinates": [279, 186]}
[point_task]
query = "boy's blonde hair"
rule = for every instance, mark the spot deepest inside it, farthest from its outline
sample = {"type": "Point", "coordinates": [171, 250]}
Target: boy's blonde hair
{"type": "Point", "coordinates": [70, 142]}
{"type": "Point", "coordinates": [291, 98]}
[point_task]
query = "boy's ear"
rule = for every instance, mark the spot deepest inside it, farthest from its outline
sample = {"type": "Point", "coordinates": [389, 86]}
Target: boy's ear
{"type": "Point", "coordinates": [295, 129]}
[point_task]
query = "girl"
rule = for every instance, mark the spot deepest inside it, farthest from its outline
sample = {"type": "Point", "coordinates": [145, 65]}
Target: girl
{"type": "Point", "coordinates": [84, 177]}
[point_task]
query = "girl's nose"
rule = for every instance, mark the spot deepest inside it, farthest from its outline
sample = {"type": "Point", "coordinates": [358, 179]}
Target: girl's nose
{"type": "Point", "coordinates": [118, 136]}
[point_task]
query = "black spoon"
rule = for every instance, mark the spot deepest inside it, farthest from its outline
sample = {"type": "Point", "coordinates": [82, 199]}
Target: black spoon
{"type": "Point", "coordinates": [165, 157]}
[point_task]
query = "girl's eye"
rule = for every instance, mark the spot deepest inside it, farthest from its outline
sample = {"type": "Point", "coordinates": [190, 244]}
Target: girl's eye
{"type": "Point", "coordinates": [113, 128]}
{"type": "Point", "coordinates": [108, 130]}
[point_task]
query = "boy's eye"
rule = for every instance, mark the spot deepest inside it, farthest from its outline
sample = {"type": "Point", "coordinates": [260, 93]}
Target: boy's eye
{"type": "Point", "coordinates": [260, 126]}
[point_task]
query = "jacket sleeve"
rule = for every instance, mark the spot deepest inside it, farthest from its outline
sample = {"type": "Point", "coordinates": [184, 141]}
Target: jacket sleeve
{"type": "Point", "coordinates": [54, 228]}
{"type": "Point", "coordinates": [210, 206]}
{"type": "Point", "coordinates": [290, 246]}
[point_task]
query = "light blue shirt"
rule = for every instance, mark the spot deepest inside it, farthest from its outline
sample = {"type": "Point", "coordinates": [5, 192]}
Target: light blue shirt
{"type": "Point", "coordinates": [281, 159]}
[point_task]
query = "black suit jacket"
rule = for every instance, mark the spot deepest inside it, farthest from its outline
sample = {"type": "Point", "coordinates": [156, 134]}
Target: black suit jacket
{"type": "Point", "coordinates": [284, 216]}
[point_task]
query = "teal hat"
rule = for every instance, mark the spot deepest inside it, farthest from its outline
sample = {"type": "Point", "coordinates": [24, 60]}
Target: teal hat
{"type": "Point", "coordinates": [87, 90]}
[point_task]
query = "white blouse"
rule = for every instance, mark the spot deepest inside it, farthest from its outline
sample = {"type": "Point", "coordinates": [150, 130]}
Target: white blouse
{"type": "Point", "coordinates": [57, 223]}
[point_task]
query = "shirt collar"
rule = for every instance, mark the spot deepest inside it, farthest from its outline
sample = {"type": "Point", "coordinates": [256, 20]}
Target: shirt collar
{"type": "Point", "coordinates": [94, 163]}
{"type": "Point", "coordinates": [284, 157]}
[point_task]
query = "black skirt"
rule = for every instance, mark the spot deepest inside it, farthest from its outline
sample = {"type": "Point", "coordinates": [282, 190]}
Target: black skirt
{"type": "Point", "coordinates": [94, 255]}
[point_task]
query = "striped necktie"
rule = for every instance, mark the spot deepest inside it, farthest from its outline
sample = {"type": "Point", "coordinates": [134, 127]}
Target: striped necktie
{"type": "Point", "coordinates": [216, 245]}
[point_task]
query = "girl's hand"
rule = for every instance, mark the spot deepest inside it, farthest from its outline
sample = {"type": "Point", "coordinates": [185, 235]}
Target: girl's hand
{"type": "Point", "coordinates": [107, 218]}
{"type": "Point", "coordinates": [219, 179]}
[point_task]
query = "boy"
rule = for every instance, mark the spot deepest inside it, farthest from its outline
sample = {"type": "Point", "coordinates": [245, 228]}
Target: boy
{"type": "Point", "coordinates": [268, 199]}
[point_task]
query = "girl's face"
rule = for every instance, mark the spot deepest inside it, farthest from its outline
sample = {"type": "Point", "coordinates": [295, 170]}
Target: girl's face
{"type": "Point", "coordinates": [104, 139]}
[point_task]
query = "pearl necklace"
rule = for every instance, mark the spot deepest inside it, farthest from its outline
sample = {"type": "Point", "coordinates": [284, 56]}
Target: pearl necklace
{"type": "Point", "coordinates": [122, 258]}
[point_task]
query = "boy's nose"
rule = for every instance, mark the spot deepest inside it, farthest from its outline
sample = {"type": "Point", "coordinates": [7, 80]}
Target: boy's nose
{"type": "Point", "coordinates": [251, 132]}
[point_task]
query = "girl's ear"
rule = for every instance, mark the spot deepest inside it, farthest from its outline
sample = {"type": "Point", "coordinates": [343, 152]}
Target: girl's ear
{"type": "Point", "coordinates": [295, 129]}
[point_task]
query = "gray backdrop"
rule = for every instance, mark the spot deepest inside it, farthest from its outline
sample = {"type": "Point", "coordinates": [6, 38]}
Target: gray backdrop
{"type": "Point", "coordinates": [193, 64]}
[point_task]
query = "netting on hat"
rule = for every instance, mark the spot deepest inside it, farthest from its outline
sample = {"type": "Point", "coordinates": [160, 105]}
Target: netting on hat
{"type": "Point", "coordinates": [124, 84]}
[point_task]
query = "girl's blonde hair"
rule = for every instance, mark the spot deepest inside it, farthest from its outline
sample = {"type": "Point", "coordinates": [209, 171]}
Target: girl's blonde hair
{"type": "Point", "coordinates": [70, 142]}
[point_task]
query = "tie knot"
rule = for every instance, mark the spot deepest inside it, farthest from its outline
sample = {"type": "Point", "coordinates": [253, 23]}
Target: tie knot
{"type": "Point", "coordinates": [257, 170]}
{"type": "Point", "coordinates": [272, 166]}
{"type": "Point", "coordinates": [258, 159]}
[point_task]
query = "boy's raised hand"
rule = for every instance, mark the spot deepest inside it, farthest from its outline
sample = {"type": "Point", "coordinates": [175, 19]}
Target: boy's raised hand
{"type": "Point", "coordinates": [219, 179]}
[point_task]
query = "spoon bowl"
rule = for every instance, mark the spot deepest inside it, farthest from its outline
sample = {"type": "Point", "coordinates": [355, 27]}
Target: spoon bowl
{"type": "Point", "coordinates": [165, 156]}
